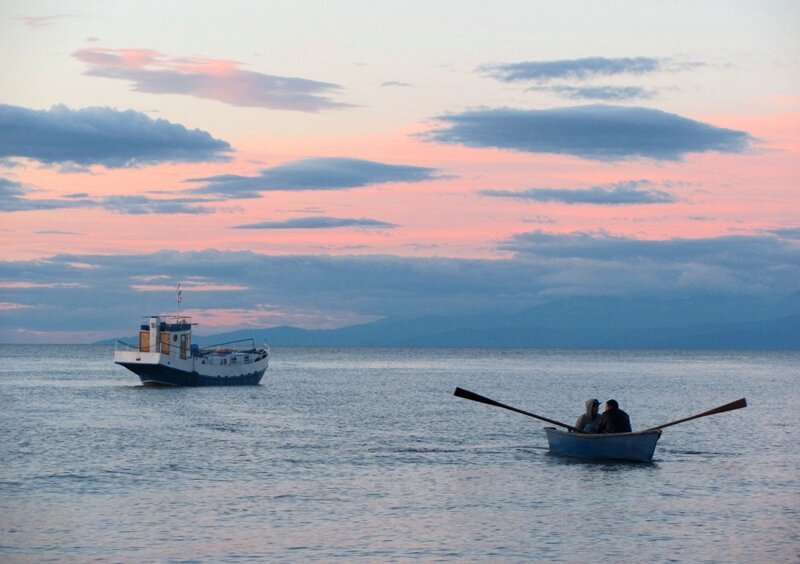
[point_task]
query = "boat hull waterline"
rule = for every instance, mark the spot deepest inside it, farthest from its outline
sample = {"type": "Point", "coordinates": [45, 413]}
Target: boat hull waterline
{"type": "Point", "coordinates": [159, 375]}
{"type": "Point", "coordinates": [637, 447]}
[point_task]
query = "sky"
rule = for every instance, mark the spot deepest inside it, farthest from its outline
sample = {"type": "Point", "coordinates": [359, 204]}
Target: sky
{"type": "Point", "coordinates": [321, 164]}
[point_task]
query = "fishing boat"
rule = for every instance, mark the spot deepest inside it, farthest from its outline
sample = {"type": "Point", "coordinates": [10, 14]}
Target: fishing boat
{"type": "Point", "coordinates": [638, 447]}
{"type": "Point", "coordinates": [165, 356]}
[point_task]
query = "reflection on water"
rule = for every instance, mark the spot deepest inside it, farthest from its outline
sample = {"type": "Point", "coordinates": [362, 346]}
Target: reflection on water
{"type": "Point", "coordinates": [365, 454]}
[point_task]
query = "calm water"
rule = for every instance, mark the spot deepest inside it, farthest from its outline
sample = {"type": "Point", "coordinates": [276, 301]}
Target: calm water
{"type": "Point", "coordinates": [364, 454]}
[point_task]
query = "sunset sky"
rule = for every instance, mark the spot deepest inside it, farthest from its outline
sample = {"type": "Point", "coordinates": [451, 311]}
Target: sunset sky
{"type": "Point", "coordinates": [319, 164]}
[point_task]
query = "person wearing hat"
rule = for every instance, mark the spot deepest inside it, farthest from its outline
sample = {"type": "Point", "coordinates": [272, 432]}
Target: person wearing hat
{"type": "Point", "coordinates": [588, 421]}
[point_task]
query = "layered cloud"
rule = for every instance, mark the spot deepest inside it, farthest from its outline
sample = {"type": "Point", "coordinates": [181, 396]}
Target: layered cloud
{"type": "Point", "coordinates": [568, 71]}
{"type": "Point", "coordinates": [731, 264]}
{"type": "Point", "coordinates": [42, 21]}
{"type": "Point", "coordinates": [313, 174]}
{"type": "Point", "coordinates": [15, 197]}
{"type": "Point", "coordinates": [618, 193]}
{"type": "Point", "coordinates": [213, 79]}
{"type": "Point", "coordinates": [788, 233]}
{"type": "Point", "coordinates": [604, 93]}
{"type": "Point", "coordinates": [601, 263]}
{"type": "Point", "coordinates": [741, 263]}
{"type": "Point", "coordinates": [598, 132]}
{"type": "Point", "coordinates": [138, 205]}
{"type": "Point", "coordinates": [102, 136]}
{"type": "Point", "coordinates": [579, 69]}
{"type": "Point", "coordinates": [320, 222]}
{"type": "Point", "coordinates": [72, 292]}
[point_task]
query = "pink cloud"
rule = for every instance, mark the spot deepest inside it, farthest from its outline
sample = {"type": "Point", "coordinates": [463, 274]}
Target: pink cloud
{"type": "Point", "coordinates": [189, 287]}
{"type": "Point", "coordinates": [8, 306]}
{"type": "Point", "coordinates": [18, 285]}
{"type": "Point", "coordinates": [42, 21]}
{"type": "Point", "coordinates": [213, 79]}
{"type": "Point", "coordinates": [32, 337]}
{"type": "Point", "coordinates": [119, 58]}
{"type": "Point", "coordinates": [263, 315]}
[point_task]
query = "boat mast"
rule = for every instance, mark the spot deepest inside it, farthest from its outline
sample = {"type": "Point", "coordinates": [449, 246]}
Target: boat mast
{"type": "Point", "coordinates": [177, 302]}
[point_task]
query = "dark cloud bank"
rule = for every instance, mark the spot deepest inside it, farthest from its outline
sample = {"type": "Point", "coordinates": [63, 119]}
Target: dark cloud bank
{"type": "Point", "coordinates": [102, 136]}
{"type": "Point", "coordinates": [580, 289]}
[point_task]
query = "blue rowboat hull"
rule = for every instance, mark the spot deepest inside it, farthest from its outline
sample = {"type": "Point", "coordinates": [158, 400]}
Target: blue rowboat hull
{"type": "Point", "coordinates": [160, 375]}
{"type": "Point", "coordinates": [637, 447]}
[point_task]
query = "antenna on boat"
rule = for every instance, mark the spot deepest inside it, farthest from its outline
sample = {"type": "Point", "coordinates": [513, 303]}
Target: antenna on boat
{"type": "Point", "coordinates": [177, 302]}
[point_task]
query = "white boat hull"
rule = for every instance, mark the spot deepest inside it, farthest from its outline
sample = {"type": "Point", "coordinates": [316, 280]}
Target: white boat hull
{"type": "Point", "coordinates": [156, 369]}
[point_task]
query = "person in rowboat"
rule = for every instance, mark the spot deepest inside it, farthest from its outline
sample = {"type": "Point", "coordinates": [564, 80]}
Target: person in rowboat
{"type": "Point", "coordinates": [588, 421]}
{"type": "Point", "coordinates": [614, 420]}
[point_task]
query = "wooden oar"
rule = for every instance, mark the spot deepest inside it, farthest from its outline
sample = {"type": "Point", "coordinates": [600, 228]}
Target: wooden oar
{"type": "Point", "coordinates": [466, 394]}
{"type": "Point", "coordinates": [738, 404]}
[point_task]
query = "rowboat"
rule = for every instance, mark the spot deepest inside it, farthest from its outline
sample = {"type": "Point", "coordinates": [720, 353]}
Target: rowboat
{"type": "Point", "coordinates": [638, 447]}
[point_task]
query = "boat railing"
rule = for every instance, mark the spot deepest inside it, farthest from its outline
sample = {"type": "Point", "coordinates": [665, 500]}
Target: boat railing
{"type": "Point", "coordinates": [123, 346]}
{"type": "Point", "coordinates": [157, 348]}
{"type": "Point", "coordinates": [231, 359]}
{"type": "Point", "coordinates": [229, 347]}
{"type": "Point", "coordinates": [242, 351]}
{"type": "Point", "coordinates": [235, 352]}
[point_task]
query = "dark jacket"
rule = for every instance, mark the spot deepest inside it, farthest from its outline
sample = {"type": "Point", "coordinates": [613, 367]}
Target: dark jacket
{"type": "Point", "coordinates": [614, 421]}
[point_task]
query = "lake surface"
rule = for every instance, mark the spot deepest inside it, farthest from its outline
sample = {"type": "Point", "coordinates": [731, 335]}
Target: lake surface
{"type": "Point", "coordinates": [364, 454]}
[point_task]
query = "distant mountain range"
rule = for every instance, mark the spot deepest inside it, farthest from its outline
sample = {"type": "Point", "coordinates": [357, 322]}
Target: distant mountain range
{"type": "Point", "coordinates": [596, 322]}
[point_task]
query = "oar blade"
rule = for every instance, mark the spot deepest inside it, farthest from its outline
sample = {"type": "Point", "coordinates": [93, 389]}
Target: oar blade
{"type": "Point", "coordinates": [466, 394]}
{"type": "Point", "coordinates": [738, 404]}
{"type": "Point", "coordinates": [462, 393]}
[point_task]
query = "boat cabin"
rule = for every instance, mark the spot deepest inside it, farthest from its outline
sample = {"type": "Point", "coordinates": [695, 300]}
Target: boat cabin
{"type": "Point", "coordinates": [170, 336]}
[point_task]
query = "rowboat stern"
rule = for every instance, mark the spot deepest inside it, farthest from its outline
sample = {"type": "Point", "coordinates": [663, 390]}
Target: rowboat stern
{"type": "Point", "coordinates": [638, 447]}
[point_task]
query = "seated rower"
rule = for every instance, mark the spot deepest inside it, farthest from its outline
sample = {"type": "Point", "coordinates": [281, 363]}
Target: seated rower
{"type": "Point", "coordinates": [614, 420]}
